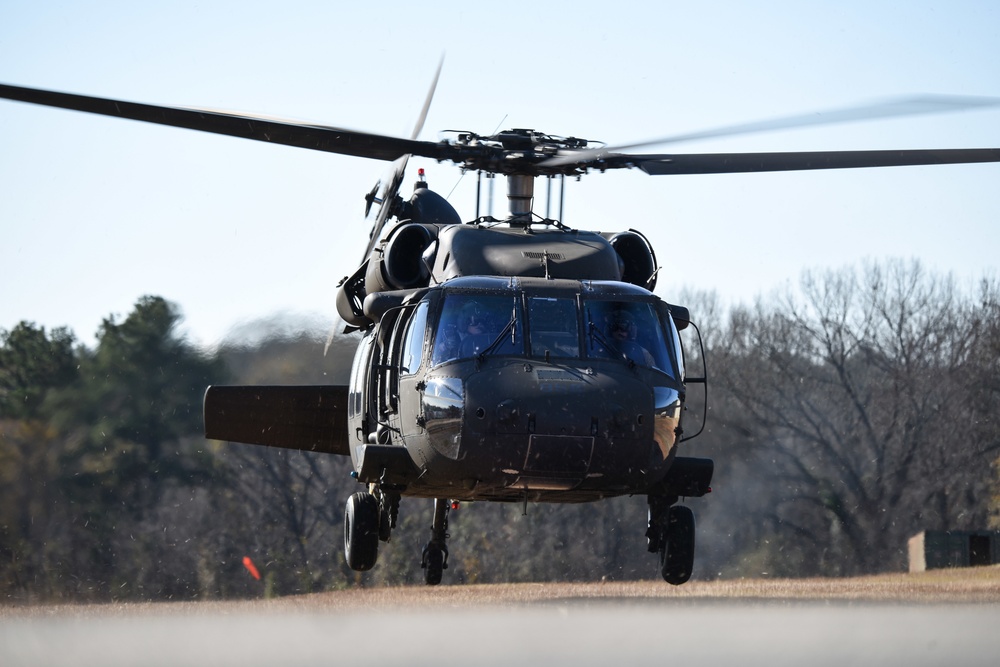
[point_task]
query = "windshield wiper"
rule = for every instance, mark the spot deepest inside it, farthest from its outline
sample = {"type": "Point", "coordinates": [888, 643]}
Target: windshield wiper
{"type": "Point", "coordinates": [510, 327]}
{"type": "Point", "coordinates": [608, 345]}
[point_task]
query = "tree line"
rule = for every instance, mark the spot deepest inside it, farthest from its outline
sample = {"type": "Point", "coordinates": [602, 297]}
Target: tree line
{"type": "Point", "coordinates": [844, 416]}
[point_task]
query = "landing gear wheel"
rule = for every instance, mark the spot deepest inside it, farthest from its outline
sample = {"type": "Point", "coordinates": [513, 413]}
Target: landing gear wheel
{"type": "Point", "coordinates": [434, 563]}
{"type": "Point", "coordinates": [677, 547]}
{"type": "Point", "coordinates": [361, 531]}
{"type": "Point", "coordinates": [435, 557]}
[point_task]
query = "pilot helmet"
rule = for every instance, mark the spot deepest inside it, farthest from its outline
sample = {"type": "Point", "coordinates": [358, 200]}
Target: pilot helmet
{"type": "Point", "coordinates": [622, 320]}
{"type": "Point", "coordinates": [473, 314]}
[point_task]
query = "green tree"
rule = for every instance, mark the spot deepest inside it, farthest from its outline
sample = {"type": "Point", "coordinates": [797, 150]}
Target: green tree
{"type": "Point", "coordinates": [32, 363]}
{"type": "Point", "coordinates": [131, 429]}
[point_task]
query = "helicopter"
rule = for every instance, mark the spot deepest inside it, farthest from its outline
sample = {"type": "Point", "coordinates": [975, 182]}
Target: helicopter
{"type": "Point", "coordinates": [503, 360]}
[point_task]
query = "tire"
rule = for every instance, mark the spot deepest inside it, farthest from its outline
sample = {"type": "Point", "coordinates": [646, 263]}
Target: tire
{"type": "Point", "coordinates": [361, 531]}
{"type": "Point", "coordinates": [677, 550]}
{"type": "Point", "coordinates": [433, 565]}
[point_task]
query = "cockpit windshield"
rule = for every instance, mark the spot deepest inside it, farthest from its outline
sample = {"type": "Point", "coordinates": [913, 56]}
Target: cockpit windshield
{"type": "Point", "coordinates": [628, 330]}
{"type": "Point", "coordinates": [555, 328]}
{"type": "Point", "coordinates": [470, 324]}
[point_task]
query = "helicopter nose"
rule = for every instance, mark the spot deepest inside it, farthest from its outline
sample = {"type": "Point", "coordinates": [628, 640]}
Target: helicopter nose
{"type": "Point", "coordinates": [508, 412]}
{"type": "Point", "coordinates": [558, 422]}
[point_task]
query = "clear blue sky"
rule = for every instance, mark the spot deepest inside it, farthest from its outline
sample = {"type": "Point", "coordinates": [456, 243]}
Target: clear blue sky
{"type": "Point", "coordinates": [95, 212]}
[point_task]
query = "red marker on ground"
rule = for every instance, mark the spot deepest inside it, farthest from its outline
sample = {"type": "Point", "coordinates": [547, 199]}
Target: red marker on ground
{"type": "Point", "coordinates": [251, 568]}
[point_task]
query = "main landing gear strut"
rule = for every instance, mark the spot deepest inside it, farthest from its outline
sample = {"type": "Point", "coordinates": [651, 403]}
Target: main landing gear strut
{"type": "Point", "coordinates": [671, 535]}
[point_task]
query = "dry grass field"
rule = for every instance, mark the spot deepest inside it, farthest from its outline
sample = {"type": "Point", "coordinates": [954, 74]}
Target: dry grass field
{"type": "Point", "coordinates": [932, 618]}
{"type": "Point", "coordinates": [953, 586]}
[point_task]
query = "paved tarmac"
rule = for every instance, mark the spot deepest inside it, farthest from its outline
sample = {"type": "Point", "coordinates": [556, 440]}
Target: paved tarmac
{"type": "Point", "coordinates": [605, 632]}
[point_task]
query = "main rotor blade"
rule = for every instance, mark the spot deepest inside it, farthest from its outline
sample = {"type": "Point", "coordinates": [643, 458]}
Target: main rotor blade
{"type": "Point", "coordinates": [289, 133]}
{"type": "Point", "coordinates": [427, 101]}
{"type": "Point", "coordinates": [730, 163]}
{"type": "Point", "coordinates": [399, 169]}
{"type": "Point", "coordinates": [909, 106]}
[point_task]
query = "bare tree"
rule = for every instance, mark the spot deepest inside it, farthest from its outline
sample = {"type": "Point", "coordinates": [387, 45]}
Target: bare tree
{"type": "Point", "coordinates": [854, 395]}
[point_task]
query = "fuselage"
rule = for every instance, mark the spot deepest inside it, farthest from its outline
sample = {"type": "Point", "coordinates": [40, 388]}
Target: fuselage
{"type": "Point", "coordinates": [503, 388]}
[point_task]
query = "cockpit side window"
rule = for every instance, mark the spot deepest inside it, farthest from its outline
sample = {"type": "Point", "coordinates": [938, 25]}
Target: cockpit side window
{"type": "Point", "coordinates": [413, 343]}
{"type": "Point", "coordinates": [678, 349]}
{"type": "Point", "coordinates": [471, 323]}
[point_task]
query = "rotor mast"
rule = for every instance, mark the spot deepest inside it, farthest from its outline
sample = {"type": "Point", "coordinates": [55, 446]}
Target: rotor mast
{"type": "Point", "coordinates": [520, 155]}
{"type": "Point", "coordinates": [520, 194]}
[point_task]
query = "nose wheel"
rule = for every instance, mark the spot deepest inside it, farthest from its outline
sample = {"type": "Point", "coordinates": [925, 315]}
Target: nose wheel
{"type": "Point", "coordinates": [435, 557]}
{"type": "Point", "coordinates": [671, 535]}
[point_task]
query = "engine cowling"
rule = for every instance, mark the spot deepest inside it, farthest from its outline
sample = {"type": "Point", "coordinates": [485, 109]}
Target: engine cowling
{"type": "Point", "coordinates": [637, 258]}
{"type": "Point", "coordinates": [399, 264]}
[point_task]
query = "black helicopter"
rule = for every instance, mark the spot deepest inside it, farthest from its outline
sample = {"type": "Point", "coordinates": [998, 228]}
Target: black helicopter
{"type": "Point", "coordinates": [509, 360]}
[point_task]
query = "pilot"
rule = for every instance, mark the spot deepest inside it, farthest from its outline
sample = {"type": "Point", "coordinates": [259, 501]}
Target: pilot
{"type": "Point", "coordinates": [462, 334]}
{"type": "Point", "coordinates": [447, 343]}
{"type": "Point", "coordinates": [473, 320]}
{"type": "Point", "coordinates": [622, 326]}
{"type": "Point", "coordinates": [623, 332]}
{"type": "Point", "coordinates": [473, 327]}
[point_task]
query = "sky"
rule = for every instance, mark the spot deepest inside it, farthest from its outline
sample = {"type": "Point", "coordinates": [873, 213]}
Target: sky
{"type": "Point", "coordinates": [96, 212]}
